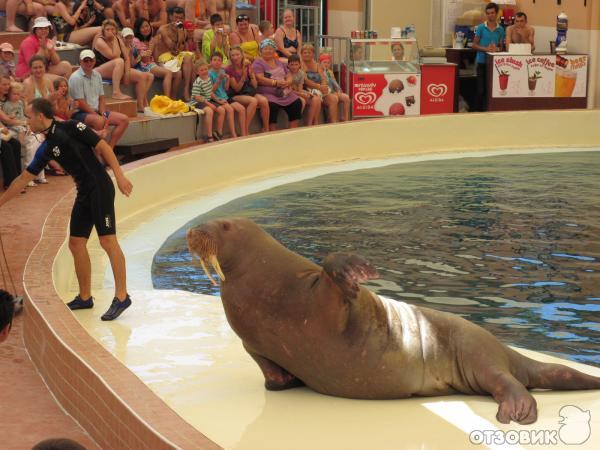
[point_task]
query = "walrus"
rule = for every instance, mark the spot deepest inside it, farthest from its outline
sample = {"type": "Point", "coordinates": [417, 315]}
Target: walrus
{"type": "Point", "coordinates": [312, 325]}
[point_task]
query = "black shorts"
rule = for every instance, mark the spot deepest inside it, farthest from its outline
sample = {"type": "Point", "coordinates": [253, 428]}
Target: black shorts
{"type": "Point", "coordinates": [293, 111]}
{"type": "Point", "coordinates": [94, 208]}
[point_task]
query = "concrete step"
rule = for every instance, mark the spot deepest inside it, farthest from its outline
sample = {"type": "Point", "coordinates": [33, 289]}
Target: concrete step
{"type": "Point", "coordinates": [144, 128]}
{"type": "Point", "coordinates": [20, 21]}
{"type": "Point", "coordinates": [14, 39]}
{"type": "Point", "coordinates": [127, 107]}
{"type": "Point", "coordinates": [70, 52]}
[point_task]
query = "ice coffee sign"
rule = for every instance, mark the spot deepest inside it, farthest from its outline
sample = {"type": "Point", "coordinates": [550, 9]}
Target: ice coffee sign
{"type": "Point", "coordinates": [539, 76]}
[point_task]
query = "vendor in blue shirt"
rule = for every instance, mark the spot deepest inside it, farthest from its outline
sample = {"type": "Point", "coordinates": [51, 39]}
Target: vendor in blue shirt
{"type": "Point", "coordinates": [489, 37]}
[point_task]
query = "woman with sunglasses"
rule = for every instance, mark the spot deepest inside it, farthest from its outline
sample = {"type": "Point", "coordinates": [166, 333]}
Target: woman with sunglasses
{"type": "Point", "coordinates": [246, 36]}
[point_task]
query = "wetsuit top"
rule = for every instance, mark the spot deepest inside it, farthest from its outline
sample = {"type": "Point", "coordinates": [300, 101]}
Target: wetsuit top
{"type": "Point", "coordinates": [71, 144]}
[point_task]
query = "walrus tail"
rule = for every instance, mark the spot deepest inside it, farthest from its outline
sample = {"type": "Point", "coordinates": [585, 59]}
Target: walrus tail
{"type": "Point", "coordinates": [556, 376]}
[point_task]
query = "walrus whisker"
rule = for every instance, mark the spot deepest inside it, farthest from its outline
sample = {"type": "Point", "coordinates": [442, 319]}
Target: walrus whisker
{"type": "Point", "coordinates": [215, 263]}
{"type": "Point", "coordinates": [207, 272]}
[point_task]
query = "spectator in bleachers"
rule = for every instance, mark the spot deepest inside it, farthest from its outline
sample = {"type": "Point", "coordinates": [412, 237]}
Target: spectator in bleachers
{"type": "Point", "coordinates": [62, 104]}
{"type": "Point", "coordinates": [142, 41]}
{"type": "Point", "coordinates": [242, 88]}
{"type": "Point", "coordinates": [334, 87]}
{"type": "Point", "coordinates": [37, 84]}
{"type": "Point", "coordinates": [274, 82]}
{"type": "Point", "coordinates": [287, 37]}
{"type": "Point", "coordinates": [112, 61]}
{"type": "Point", "coordinates": [86, 89]}
{"type": "Point", "coordinates": [7, 59]}
{"type": "Point", "coordinates": [202, 94]}
{"type": "Point", "coordinates": [266, 30]}
{"type": "Point", "coordinates": [220, 81]}
{"type": "Point", "coordinates": [39, 43]}
{"type": "Point", "coordinates": [125, 13]}
{"type": "Point", "coordinates": [7, 311]}
{"type": "Point", "coordinates": [196, 12]}
{"type": "Point", "coordinates": [227, 9]}
{"type": "Point", "coordinates": [28, 9]}
{"type": "Point", "coordinates": [170, 52]}
{"type": "Point", "coordinates": [75, 28]}
{"type": "Point", "coordinates": [100, 11]}
{"type": "Point", "coordinates": [191, 45]}
{"type": "Point", "coordinates": [154, 11]}
{"type": "Point", "coordinates": [10, 148]}
{"type": "Point", "coordinates": [311, 99]}
{"type": "Point", "coordinates": [317, 82]}
{"type": "Point", "coordinates": [216, 40]}
{"type": "Point", "coordinates": [247, 36]}
{"type": "Point", "coordinates": [14, 107]}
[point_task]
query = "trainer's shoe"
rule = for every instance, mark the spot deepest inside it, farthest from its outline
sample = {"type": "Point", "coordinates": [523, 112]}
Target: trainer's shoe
{"type": "Point", "coordinates": [79, 303]}
{"type": "Point", "coordinates": [116, 308]}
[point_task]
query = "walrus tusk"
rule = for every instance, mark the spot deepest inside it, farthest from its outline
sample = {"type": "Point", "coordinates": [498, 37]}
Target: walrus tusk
{"type": "Point", "coordinates": [215, 263]}
{"type": "Point", "coordinates": [207, 272]}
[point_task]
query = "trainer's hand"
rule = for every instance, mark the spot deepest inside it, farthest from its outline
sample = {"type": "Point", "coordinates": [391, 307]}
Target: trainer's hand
{"type": "Point", "coordinates": [125, 186]}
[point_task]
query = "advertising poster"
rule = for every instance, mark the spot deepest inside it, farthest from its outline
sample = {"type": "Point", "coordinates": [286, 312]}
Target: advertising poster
{"type": "Point", "coordinates": [437, 88]}
{"type": "Point", "coordinates": [571, 75]}
{"type": "Point", "coordinates": [386, 95]}
{"type": "Point", "coordinates": [509, 76]}
{"type": "Point", "coordinates": [539, 76]}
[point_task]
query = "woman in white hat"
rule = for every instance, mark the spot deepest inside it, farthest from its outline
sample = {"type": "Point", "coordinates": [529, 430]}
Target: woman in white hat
{"type": "Point", "coordinates": [38, 43]}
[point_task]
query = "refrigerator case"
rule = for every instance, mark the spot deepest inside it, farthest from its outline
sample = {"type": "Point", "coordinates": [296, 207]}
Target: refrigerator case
{"type": "Point", "coordinates": [385, 77]}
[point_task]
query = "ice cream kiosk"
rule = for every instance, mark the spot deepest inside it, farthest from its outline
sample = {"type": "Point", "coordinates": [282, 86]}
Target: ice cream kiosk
{"type": "Point", "coordinates": [387, 79]}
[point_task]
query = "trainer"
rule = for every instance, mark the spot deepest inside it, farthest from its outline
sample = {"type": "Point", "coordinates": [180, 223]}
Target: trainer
{"type": "Point", "coordinates": [72, 145]}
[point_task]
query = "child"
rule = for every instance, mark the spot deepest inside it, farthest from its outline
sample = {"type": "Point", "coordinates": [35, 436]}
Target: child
{"type": "Point", "coordinates": [306, 97]}
{"type": "Point", "coordinates": [202, 93]}
{"type": "Point", "coordinates": [334, 87]}
{"type": "Point", "coordinates": [266, 29]}
{"type": "Point", "coordinates": [7, 60]}
{"type": "Point", "coordinates": [220, 82]}
{"type": "Point", "coordinates": [14, 108]}
{"type": "Point", "coordinates": [62, 103]}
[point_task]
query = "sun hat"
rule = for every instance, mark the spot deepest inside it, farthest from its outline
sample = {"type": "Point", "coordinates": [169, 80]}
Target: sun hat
{"type": "Point", "coordinates": [7, 47]}
{"type": "Point", "coordinates": [41, 22]}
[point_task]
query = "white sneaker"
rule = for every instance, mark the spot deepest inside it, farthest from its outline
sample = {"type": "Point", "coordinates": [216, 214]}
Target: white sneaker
{"type": "Point", "coordinates": [31, 184]}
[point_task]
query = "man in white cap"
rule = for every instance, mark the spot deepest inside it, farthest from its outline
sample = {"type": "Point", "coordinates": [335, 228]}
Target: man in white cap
{"type": "Point", "coordinates": [7, 60]}
{"type": "Point", "coordinates": [38, 43]}
{"type": "Point", "coordinates": [85, 86]}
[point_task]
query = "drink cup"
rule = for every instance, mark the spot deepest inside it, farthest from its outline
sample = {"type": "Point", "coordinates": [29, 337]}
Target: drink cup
{"type": "Point", "coordinates": [503, 80]}
{"type": "Point", "coordinates": [565, 82]}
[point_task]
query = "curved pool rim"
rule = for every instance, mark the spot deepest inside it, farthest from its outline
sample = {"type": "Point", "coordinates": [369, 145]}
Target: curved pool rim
{"type": "Point", "coordinates": [111, 403]}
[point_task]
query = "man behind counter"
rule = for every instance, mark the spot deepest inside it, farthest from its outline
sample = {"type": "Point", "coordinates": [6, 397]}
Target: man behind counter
{"type": "Point", "coordinates": [488, 38]}
{"type": "Point", "coordinates": [521, 32]}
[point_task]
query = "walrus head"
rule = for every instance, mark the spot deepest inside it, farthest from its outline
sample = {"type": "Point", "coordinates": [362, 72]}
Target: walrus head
{"type": "Point", "coordinates": [203, 243]}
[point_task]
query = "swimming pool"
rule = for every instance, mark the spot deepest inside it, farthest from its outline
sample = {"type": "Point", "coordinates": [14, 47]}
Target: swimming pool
{"type": "Point", "coordinates": [509, 242]}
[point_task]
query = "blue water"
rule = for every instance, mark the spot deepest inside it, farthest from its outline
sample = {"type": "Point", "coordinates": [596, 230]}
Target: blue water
{"type": "Point", "coordinates": [511, 243]}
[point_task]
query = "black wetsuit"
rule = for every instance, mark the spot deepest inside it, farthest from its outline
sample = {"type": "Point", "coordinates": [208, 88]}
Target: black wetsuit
{"type": "Point", "coordinates": [71, 144]}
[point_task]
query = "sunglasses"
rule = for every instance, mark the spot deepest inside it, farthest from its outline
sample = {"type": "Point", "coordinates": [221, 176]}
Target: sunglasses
{"type": "Point", "coordinates": [242, 17]}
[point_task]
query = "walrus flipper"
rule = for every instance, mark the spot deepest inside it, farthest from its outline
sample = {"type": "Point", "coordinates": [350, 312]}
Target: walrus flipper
{"type": "Point", "coordinates": [347, 270]}
{"type": "Point", "coordinates": [276, 377]}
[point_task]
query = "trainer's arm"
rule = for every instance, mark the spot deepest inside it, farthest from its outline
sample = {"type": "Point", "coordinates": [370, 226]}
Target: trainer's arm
{"type": "Point", "coordinates": [107, 153]}
{"type": "Point", "coordinates": [16, 186]}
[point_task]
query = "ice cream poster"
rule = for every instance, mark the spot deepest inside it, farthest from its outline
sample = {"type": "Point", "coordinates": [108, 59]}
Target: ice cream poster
{"type": "Point", "coordinates": [386, 95]}
{"type": "Point", "coordinates": [571, 75]}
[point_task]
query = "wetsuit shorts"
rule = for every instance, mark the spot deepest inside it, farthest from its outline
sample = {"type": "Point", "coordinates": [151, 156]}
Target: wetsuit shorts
{"type": "Point", "coordinates": [94, 208]}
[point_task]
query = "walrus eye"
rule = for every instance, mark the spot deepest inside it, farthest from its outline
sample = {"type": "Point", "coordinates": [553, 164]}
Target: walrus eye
{"type": "Point", "coordinates": [226, 226]}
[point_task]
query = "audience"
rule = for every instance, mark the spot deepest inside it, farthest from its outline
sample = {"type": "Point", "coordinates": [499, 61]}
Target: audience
{"type": "Point", "coordinates": [38, 83]}
{"type": "Point", "coordinates": [247, 36]}
{"type": "Point", "coordinates": [317, 83]}
{"type": "Point", "coordinates": [204, 98]}
{"type": "Point", "coordinates": [154, 11]}
{"type": "Point", "coordinates": [144, 44]}
{"type": "Point", "coordinates": [7, 59]}
{"type": "Point", "coordinates": [10, 148]}
{"type": "Point", "coordinates": [287, 37]}
{"type": "Point", "coordinates": [312, 100]}
{"type": "Point", "coordinates": [220, 81]}
{"type": "Point", "coordinates": [170, 52]}
{"type": "Point", "coordinates": [334, 87]}
{"type": "Point", "coordinates": [74, 28]}
{"type": "Point", "coordinates": [28, 9]}
{"type": "Point", "coordinates": [243, 85]}
{"type": "Point", "coordinates": [216, 40]}
{"type": "Point", "coordinates": [39, 43]}
{"type": "Point", "coordinates": [274, 82]}
{"type": "Point", "coordinates": [62, 104]}
{"type": "Point", "coordinates": [86, 89]}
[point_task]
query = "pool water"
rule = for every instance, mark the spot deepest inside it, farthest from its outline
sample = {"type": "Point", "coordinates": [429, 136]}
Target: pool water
{"type": "Point", "coordinates": [511, 243]}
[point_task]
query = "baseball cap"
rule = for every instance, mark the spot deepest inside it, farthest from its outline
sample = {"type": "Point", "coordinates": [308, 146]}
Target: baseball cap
{"type": "Point", "coordinates": [87, 53]}
{"type": "Point", "coordinates": [126, 32]}
{"type": "Point", "coordinates": [7, 47]}
{"type": "Point", "coordinates": [41, 22]}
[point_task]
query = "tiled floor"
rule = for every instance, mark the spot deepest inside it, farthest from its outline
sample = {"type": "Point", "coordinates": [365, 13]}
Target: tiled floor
{"type": "Point", "coordinates": [29, 412]}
